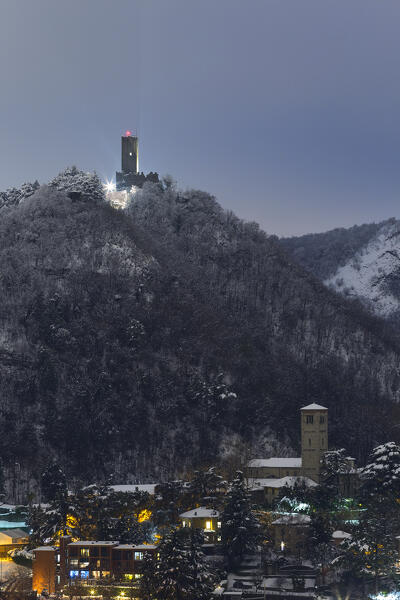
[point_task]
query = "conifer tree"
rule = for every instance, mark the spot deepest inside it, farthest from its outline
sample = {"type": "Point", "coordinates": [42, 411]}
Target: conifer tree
{"type": "Point", "coordinates": [381, 476]}
{"type": "Point", "coordinates": [181, 572]}
{"type": "Point", "coordinates": [240, 528]}
{"type": "Point", "coordinates": [206, 487]}
{"type": "Point", "coordinates": [173, 577]}
{"type": "Point", "coordinates": [334, 463]}
{"type": "Point", "coordinates": [372, 549]}
{"type": "Point", "coordinates": [202, 579]}
{"type": "Point", "coordinates": [148, 580]}
{"type": "Point", "coordinates": [53, 482]}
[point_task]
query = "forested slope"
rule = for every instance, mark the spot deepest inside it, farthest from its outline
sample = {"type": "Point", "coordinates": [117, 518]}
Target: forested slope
{"type": "Point", "coordinates": [323, 253]}
{"type": "Point", "coordinates": [142, 342]}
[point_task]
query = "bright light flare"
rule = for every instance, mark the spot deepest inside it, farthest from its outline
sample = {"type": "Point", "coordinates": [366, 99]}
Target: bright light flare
{"type": "Point", "coordinates": [110, 186]}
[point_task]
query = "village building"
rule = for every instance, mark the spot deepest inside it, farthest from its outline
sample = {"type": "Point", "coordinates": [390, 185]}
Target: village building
{"type": "Point", "coordinates": [44, 569]}
{"type": "Point", "coordinates": [205, 519]}
{"type": "Point", "coordinates": [267, 476]}
{"type": "Point", "coordinates": [11, 539]}
{"type": "Point", "coordinates": [87, 562]}
{"type": "Point", "coordinates": [268, 490]}
{"type": "Point", "coordinates": [290, 533]}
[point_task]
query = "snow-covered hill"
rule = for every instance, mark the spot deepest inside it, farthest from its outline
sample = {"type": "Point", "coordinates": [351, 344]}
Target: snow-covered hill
{"type": "Point", "coordinates": [361, 262]}
{"type": "Point", "coordinates": [373, 273]}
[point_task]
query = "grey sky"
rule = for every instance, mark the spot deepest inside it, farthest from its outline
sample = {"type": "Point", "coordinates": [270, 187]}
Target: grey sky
{"type": "Point", "coordinates": [287, 111]}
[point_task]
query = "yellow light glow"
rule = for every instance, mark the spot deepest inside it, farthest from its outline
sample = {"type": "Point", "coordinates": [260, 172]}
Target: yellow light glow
{"type": "Point", "coordinates": [208, 525]}
{"type": "Point", "coordinates": [144, 515]}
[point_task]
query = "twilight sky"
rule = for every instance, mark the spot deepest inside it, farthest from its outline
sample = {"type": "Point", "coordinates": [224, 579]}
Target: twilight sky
{"type": "Point", "coordinates": [286, 110]}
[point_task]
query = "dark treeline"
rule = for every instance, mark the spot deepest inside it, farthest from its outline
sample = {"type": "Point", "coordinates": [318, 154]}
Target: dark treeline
{"type": "Point", "coordinates": [149, 342]}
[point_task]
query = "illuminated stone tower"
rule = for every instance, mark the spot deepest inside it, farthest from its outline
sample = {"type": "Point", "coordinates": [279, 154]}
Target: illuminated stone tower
{"type": "Point", "coordinates": [129, 178]}
{"type": "Point", "coordinates": [314, 439]}
{"type": "Point", "coordinates": [129, 153]}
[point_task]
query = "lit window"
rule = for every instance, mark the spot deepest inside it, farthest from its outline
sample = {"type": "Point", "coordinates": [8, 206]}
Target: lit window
{"type": "Point", "coordinates": [183, 523]}
{"type": "Point", "coordinates": [219, 524]}
{"type": "Point", "coordinates": [73, 574]}
{"type": "Point", "coordinates": [138, 555]}
{"type": "Point", "coordinates": [84, 574]}
{"type": "Point", "coordinates": [85, 552]}
{"type": "Point", "coordinates": [138, 575]}
{"type": "Point", "coordinates": [219, 538]}
{"type": "Point", "coordinates": [208, 525]}
{"type": "Point", "coordinates": [282, 546]}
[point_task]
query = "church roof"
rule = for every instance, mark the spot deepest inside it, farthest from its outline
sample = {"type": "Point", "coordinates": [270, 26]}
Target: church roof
{"type": "Point", "coordinates": [314, 407]}
{"type": "Point", "coordinates": [290, 481]}
{"type": "Point", "coordinates": [275, 462]}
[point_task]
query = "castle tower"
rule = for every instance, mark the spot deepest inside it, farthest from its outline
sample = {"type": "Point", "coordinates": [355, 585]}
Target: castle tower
{"type": "Point", "coordinates": [129, 153]}
{"type": "Point", "coordinates": [314, 439]}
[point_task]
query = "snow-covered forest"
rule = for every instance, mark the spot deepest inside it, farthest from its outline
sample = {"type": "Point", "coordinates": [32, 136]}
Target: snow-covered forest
{"type": "Point", "coordinates": [171, 335]}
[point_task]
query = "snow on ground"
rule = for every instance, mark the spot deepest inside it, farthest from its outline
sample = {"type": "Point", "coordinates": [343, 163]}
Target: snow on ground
{"type": "Point", "coordinates": [365, 275]}
{"type": "Point", "coordinates": [9, 570]}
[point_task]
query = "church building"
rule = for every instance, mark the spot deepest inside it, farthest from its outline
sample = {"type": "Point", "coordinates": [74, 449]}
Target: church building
{"type": "Point", "coordinates": [314, 442]}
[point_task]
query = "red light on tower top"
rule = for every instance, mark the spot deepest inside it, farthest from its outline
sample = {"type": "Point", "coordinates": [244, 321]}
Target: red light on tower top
{"type": "Point", "coordinates": [128, 133]}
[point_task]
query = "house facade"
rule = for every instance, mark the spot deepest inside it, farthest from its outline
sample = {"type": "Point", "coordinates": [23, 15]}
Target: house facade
{"type": "Point", "coordinates": [87, 562]}
{"type": "Point", "coordinates": [205, 519]}
{"type": "Point", "coordinates": [290, 533]}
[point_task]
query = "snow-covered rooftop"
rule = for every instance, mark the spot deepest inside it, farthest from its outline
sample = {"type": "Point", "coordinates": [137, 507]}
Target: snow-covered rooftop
{"type": "Point", "coordinates": [290, 481]}
{"type": "Point", "coordinates": [94, 543]}
{"type": "Point", "coordinates": [43, 548]}
{"type": "Point", "coordinates": [314, 407]}
{"type": "Point", "coordinates": [201, 512]}
{"type": "Point", "coordinates": [293, 519]}
{"type": "Point", "coordinates": [275, 462]}
{"type": "Point", "coordinates": [135, 487]}
{"type": "Point", "coordinates": [341, 535]}
{"type": "Point", "coordinates": [14, 533]}
{"type": "Point", "coordinates": [140, 548]}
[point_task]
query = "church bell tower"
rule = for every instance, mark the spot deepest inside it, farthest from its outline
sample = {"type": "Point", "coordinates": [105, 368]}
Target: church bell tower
{"type": "Point", "coordinates": [314, 439]}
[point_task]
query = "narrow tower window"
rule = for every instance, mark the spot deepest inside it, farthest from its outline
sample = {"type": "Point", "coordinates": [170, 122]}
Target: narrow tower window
{"type": "Point", "coordinates": [310, 419]}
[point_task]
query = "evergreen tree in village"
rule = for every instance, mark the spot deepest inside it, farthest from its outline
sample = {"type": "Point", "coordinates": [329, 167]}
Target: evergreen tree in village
{"type": "Point", "coordinates": [372, 551]}
{"type": "Point", "coordinates": [239, 527]}
{"type": "Point", "coordinates": [180, 573]}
